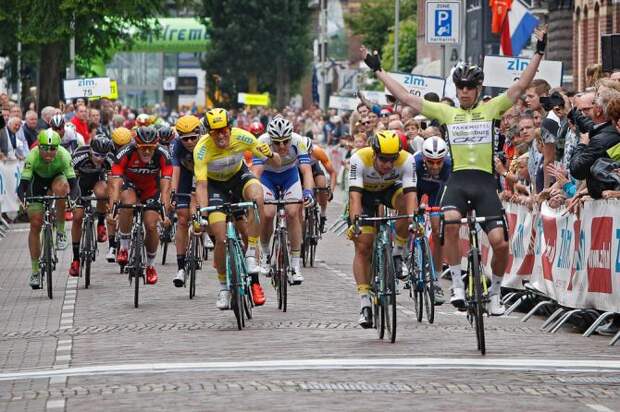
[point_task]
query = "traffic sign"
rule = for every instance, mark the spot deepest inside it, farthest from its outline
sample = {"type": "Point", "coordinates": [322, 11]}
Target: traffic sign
{"type": "Point", "coordinates": [443, 22]}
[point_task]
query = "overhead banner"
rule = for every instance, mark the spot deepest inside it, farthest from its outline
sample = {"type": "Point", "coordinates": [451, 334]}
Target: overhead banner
{"type": "Point", "coordinates": [343, 103]}
{"type": "Point", "coordinates": [500, 71]}
{"type": "Point", "coordinates": [253, 99]}
{"type": "Point", "coordinates": [95, 86]}
{"type": "Point", "coordinates": [419, 85]}
{"type": "Point", "coordinates": [178, 35]}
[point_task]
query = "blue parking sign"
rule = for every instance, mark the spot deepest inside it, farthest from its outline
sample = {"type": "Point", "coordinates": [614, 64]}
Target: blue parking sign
{"type": "Point", "coordinates": [443, 23]}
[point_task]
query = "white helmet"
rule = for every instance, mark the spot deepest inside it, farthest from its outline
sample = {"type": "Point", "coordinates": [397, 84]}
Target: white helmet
{"type": "Point", "coordinates": [279, 128]}
{"type": "Point", "coordinates": [308, 142]}
{"type": "Point", "coordinates": [434, 147]}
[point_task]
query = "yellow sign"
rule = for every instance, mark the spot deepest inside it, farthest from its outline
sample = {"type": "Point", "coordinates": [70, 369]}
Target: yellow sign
{"type": "Point", "coordinates": [253, 99]}
{"type": "Point", "coordinates": [113, 92]}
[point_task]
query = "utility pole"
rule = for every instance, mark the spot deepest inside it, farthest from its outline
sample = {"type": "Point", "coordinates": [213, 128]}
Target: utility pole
{"type": "Point", "coordinates": [71, 70]}
{"type": "Point", "coordinates": [323, 54]}
{"type": "Point", "coordinates": [396, 28]}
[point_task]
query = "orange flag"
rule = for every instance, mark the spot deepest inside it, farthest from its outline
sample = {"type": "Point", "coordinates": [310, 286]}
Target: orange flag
{"type": "Point", "coordinates": [499, 10]}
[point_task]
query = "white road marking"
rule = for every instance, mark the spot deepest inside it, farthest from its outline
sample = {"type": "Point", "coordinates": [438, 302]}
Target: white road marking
{"type": "Point", "coordinates": [512, 364]}
{"type": "Point", "coordinates": [599, 407]}
{"type": "Point", "coordinates": [55, 404]}
{"type": "Point", "coordinates": [63, 348]}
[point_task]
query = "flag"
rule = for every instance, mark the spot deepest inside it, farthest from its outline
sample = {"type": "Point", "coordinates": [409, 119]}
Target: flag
{"type": "Point", "coordinates": [518, 26]}
{"type": "Point", "coordinates": [499, 9]}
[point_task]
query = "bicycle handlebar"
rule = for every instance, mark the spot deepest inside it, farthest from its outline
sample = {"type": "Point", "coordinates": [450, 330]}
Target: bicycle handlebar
{"type": "Point", "coordinates": [470, 221]}
{"type": "Point", "coordinates": [139, 207]}
{"type": "Point", "coordinates": [45, 198]}
{"type": "Point", "coordinates": [229, 206]}
{"type": "Point", "coordinates": [281, 202]}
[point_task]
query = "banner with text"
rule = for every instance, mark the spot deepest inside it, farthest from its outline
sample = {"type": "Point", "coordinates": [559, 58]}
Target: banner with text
{"type": "Point", "coordinates": [500, 71]}
{"type": "Point", "coordinates": [419, 85]}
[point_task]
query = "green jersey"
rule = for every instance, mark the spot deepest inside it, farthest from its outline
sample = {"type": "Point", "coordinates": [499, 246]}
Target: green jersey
{"type": "Point", "coordinates": [470, 132]}
{"type": "Point", "coordinates": [36, 167]}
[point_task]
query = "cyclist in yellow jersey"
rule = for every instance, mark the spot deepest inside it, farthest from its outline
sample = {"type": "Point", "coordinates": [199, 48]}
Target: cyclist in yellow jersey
{"type": "Point", "coordinates": [222, 176]}
{"type": "Point", "coordinates": [471, 140]}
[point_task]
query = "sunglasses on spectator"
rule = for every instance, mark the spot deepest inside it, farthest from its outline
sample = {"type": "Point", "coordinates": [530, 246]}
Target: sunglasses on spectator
{"type": "Point", "coordinates": [387, 159]}
{"type": "Point", "coordinates": [189, 137]}
{"type": "Point", "coordinates": [281, 142]}
{"type": "Point", "coordinates": [365, 123]}
{"type": "Point", "coordinates": [384, 115]}
{"type": "Point", "coordinates": [48, 147]}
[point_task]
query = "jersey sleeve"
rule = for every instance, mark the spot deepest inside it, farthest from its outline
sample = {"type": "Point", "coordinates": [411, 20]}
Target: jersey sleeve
{"type": "Point", "coordinates": [175, 153]}
{"type": "Point", "coordinates": [319, 154]}
{"type": "Point", "coordinates": [409, 175]}
{"type": "Point", "coordinates": [356, 174]}
{"type": "Point", "coordinates": [499, 104]}
{"type": "Point", "coordinates": [200, 159]}
{"type": "Point", "coordinates": [165, 163]}
{"type": "Point", "coordinates": [437, 111]}
{"type": "Point", "coordinates": [67, 166]}
{"type": "Point", "coordinates": [120, 162]}
{"type": "Point", "coordinates": [29, 164]}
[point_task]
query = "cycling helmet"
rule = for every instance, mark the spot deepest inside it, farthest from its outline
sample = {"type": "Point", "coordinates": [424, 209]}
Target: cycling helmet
{"type": "Point", "coordinates": [308, 143]}
{"type": "Point", "coordinates": [467, 75]}
{"type": "Point", "coordinates": [121, 136]}
{"type": "Point", "coordinates": [48, 137]}
{"type": "Point", "coordinates": [146, 135]}
{"type": "Point", "coordinates": [166, 134]}
{"type": "Point", "coordinates": [280, 128]}
{"type": "Point", "coordinates": [57, 121]}
{"type": "Point", "coordinates": [216, 119]}
{"type": "Point", "coordinates": [188, 124]}
{"type": "Point", "coordinates": [257, 128]}
{"type": "Point", "coordinates": [386, 143]}
{"type": "Point", "coordinates": [143, 120]}
{"type": "Point", "coordinates": [434, 147]}
{"type": "Point", "coordinates": [101, 145]}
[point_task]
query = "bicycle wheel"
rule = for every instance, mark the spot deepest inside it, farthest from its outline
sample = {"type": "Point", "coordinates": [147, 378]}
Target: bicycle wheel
{"type": "Point", "coordinates": [47, 256]}
{"type": "Point", "coordinates": [478, 301]}
{"type": "Point", "coordinates": [305, 241]}
{"type": "Point", "coordinates": [88, 239]}
{"type": "Point", "coordinates": [417, 286]}
{"type": "Point", "coordinates": [284, 269]}
{"type": "Point", "coordinates": [389, 294]}
{"type": "Point", "coordinates": [429, 282]}
{"type": "Point", "coordinates": [248, 303]}
{"type": "Point", "coordinates": [164, 248]}
{"type": "Point", "coordinates": [314, 236]}
{"type": "Point", "coordinates": [191, 264]}
{"type": "Point", "coordinates": [235, 282]}
{"type": "Point", "coordinates": [378, 307]}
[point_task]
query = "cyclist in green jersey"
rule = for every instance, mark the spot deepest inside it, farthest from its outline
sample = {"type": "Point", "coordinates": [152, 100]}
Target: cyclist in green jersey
{"type": "Point", "coordinates": [48, 170]}
{"type": "Point", "coordinates": [471, 140]}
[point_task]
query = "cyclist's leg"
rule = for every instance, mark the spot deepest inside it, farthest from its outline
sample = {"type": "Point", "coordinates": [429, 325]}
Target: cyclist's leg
{"type": "Point", "coordinates": [320, 182]}
{"type": "Point", "coordinates": [252, 190]}
{"type": "Point", "coordinates": [152, 218]}
{"type": "Point", "coordinates": [60, 187]}
{"type": "Point", "coordinates": [101, 192]}
{"type": "Point", "coordinates": [402, 202]}
{"type": "Point", "coordinates": [125, 219]}
{"type": "Point", "coordinates": [291, 184]}
{"type": "Point", "coordinates": [38, 187]}
{"type": "Point", "coordinates": [218, 195]}
{"type": "Point", "coordinates": [184, 201]}
{"type": "Point", "coordinates": [266, 221]}
{"type": "Point", "coordinates": [86, 187]}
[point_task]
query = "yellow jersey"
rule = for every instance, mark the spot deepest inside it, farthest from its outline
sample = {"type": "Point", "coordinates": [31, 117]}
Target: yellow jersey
{"type": "Point", "coordinates": [219, 164]}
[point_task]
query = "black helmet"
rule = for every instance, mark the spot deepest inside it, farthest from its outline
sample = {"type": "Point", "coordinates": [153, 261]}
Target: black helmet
{"type": "Point", "coordinates": [166, 134]}
{"type": "Point", "coordinates": [146, 135]}
{"type": "Point", "coordinates": [57, 121]}
{"type": "Point", "coordinates": [101, 145]}
{"type": "Point", "coordinates": [467, 75]}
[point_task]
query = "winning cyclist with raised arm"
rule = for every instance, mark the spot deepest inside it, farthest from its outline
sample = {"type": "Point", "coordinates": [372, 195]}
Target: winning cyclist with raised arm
{"type": "Point", "coordinates": [471, 141]}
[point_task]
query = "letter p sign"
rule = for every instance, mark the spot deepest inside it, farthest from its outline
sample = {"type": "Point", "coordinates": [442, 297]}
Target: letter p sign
{"type": "Point", "coordinates": [443, 23]}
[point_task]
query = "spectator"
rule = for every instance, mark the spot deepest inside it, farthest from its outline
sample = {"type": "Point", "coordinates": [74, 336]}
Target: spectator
{"type": "Point", "coordinates": [556, 104]}
{"type": "Point", "coordinates": [117, 121]}
{"type": "Point", "coordinates": [15, 111]}
{"type": "Point", "coordinates": [447, 101]}
{"type": "Point", "coordinates": [46, 116]}
{"type": "Point", "coordinates": [31, 127]}
{"type": "Point", "coordinates": [538, 88]}
{"type": "Point", "coordinates": [13, 146]}
{"type": "Point", "coordinates": [594, 72]}
{"type": "Point", "coordinates": [407, 113]}
{"type": "Point", "coordinates": [384, 117]}
{"type": "Point", "coordinates": [601, 136]}
{"type": "Point", "coordinates": [80, 120]}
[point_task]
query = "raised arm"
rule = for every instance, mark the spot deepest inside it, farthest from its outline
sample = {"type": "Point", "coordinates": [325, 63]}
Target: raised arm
{"type": "Point", "coordinates": [518, 88]}
{"type": "Point", "coordinates": [395, 88]}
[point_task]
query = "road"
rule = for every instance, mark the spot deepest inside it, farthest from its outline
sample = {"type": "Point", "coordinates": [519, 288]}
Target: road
{"type": "Point", "coordinates": [90, 349]}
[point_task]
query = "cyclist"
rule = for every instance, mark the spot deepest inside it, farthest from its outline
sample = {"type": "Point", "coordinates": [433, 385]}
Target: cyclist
{"type": "Point", "coordinates": [222, 176]}
{"type": "Point", "coordinates": [283, 181]}
{"type": "Point", "coordinates": [166, 135]}
{"type": "Point", "coordinates": [470, 136]}
{"type": "Point", "coordinates": [141, 170]}
{"type": "Point", "coordinates": [121, 137]}
{"type": "Point", "coordinates": [257, 128]}
{"type": "Point", "coordinates": [47, 170]}
{"type": "Point", "coordinates": [433, 167]}
{"type": "Point", "coordinates": [318, 155]}
{"type": "Point", "coordinates": [188, 129]}
{"type": "Point", "coordinates": [92, 164]}
{"type": "Point", "coordinates": [382, 173]}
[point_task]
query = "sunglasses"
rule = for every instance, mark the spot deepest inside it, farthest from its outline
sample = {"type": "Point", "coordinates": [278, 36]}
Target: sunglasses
{"type": "Point", "coordinates": [365, 123]}
{"type": "Point", "coordinates": [384, 115]}
{"type": "Point", "coordinates": [48, 148]}
{"type": "Point", "coordinates": [147, 147]}
{"type": "Point", "coordinates": [387, 159]}
{"type": "Point", "coordinates": [99, 155]}
{"type": "Point", "coordinates": [190, 137]}
{"type": "Point", "coordinates": [466, 86]}
{"type": "Point", "coordinates": [281, 142]}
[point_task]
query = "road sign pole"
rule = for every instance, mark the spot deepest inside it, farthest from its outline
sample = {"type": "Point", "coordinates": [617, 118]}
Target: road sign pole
{"type": "Point", "coordinates": [443, 61]}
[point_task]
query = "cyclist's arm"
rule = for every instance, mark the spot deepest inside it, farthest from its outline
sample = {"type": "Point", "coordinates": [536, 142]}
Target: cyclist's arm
{"type": "Point", "coordinates": [356, 187]}
{"type": "Point", "coordinates": [69, 173]}
{"type": "Point", "coordinates": [320, 155]}
{"type": "Point", "coordinates": [257, 169]}
{"type": "Point", "coordinates": [355, 204]}
{"type": "Point", "coordinates": [518, 88]}
{"type": "Point", "coordinates": [399, 92]}
{"type": "Point", "coordinates": [306, 173]}
{"type": "Point", "coordinates": [176, 176]}
{"type": "Point", "coordinates": [166, 174]}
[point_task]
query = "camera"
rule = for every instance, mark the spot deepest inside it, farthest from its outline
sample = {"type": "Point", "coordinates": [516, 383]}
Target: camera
{"type": "Point", "coordinates": [554, 100]}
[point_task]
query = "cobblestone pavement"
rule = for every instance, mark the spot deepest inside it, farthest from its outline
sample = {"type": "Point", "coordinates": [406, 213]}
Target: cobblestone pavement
{"type": "Point", "coordinates": [65, 353]}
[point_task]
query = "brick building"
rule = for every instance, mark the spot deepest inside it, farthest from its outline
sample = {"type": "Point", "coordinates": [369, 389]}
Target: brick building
{"type": "Point", "coordinates": [591, 18]}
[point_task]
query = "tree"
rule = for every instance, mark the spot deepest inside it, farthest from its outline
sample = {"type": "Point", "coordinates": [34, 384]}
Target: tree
{"type": "Point", "coordinates": [376, 18]}
{"type": "Point", "coordinates": [256, 45]}
{"type": "Point", "coordinates": [407, 47]}
{"type": "Point", "coordinates": [46, 26]}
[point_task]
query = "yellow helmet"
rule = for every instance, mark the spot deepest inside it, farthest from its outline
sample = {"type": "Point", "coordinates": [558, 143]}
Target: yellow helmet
{"type": "Point", "coordinates": [187, 124]}
{"type": "Point", "coordinates": [386, 143]}
{"type": "Point", "coordinates": [121, 136]}
{"type": "Point", "coordinates": [216, 119]}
